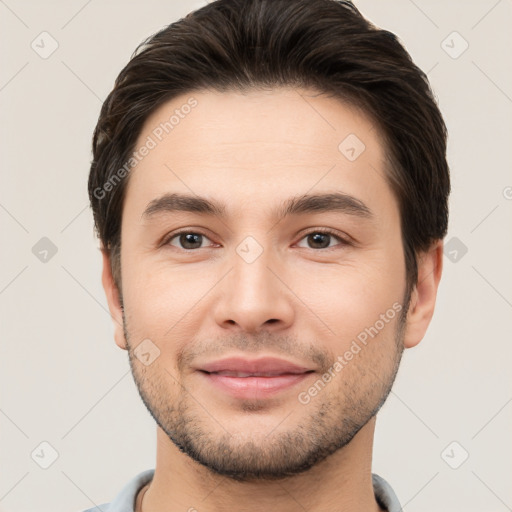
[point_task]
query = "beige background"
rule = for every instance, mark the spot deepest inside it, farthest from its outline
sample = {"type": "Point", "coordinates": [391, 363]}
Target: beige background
{"type": "Point", "coordinates": [65, 382]}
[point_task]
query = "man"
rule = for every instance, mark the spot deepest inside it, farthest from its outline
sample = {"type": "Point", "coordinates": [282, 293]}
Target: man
{"type": "Point", "coordinates": [269, 184]}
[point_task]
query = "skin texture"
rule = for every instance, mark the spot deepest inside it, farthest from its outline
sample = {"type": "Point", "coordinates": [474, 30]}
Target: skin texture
{"type": "Point", "coordinates": [297, 300]}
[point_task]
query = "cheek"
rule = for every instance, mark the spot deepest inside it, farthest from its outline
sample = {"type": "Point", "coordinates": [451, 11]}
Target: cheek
{"type": "Point", "coordinates": [161, 302]}
{"type": "Point", "coordinates": [353, 298]}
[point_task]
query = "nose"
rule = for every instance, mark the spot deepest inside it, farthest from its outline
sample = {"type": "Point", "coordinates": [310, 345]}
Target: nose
{"type": "Point", "coordinates": [254, 296]}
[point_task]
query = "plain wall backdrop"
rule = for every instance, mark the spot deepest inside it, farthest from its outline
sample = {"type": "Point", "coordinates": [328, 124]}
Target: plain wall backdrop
{"type": "Point", "coordinates": [64, 382]}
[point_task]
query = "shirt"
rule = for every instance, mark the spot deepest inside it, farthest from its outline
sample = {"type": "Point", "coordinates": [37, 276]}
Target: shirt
{"type": "Point", "coordinates": [125, 500]}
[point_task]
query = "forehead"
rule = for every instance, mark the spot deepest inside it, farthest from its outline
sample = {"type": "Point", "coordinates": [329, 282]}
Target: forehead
{"type": "Point", "coordinates": [257, 146]}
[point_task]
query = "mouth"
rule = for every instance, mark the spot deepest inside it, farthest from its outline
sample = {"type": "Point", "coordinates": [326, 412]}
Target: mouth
{"type": "Point", "coordinates": [230, 373]}
{"type": "Point", "coordinates": [254, 386]}
{"type": "Point", "coordinates": [253, 379]}
{"type": "Point", "coordinates": [264, 366]}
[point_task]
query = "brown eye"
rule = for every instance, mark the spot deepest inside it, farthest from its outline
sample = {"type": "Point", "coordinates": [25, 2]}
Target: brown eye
{"type": "Point", "coordinates": [188, 240]}
{"type": "Point", "coordinates": [322, 239]}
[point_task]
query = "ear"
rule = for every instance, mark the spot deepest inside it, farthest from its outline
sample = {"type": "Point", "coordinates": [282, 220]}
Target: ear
{"type": "Point", "coordinates": [114, 303]}
{"type": "Point", "coordinates": [423, 296]}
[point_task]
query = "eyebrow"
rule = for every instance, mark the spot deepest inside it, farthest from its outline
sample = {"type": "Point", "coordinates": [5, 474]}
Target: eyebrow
{"type": "Point", "coordinates": [298, 205]}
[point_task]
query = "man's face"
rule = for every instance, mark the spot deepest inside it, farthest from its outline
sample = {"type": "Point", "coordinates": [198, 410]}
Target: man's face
{"type": "Point", "coordinates": [253, 284]}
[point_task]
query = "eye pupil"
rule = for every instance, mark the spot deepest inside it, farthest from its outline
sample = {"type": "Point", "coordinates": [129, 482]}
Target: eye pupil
{"type": "Point", "coordinates": [318, 238]}
{"type": "Point", "coordinates": [190, 238]}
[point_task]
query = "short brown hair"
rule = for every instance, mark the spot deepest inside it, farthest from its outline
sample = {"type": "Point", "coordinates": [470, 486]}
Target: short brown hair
{"type": "Point", "coordinates": [325, 45]}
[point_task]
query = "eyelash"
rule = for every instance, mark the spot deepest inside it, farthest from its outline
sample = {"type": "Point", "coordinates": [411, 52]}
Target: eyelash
{"type": "Point", "coordinates": [342, 241]}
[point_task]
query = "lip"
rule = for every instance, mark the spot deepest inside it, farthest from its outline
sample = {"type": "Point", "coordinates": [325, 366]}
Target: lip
{"type": "Point", "coordinates": [269, 365]}
{"type": "Point", "coordinates": [254, 379]}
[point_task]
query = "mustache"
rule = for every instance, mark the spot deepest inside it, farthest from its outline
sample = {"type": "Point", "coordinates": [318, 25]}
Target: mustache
{"type": "Point", "coordinates": [284, 346]}
{"type": "Point", "coordinates": [268, 343]}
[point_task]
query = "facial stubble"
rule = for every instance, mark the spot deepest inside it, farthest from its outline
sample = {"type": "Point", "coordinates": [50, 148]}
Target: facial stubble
{"type": "Point", "coordinates": [326, 425]}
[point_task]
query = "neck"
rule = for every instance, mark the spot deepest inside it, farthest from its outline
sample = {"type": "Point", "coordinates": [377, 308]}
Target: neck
{"type": "Point", "coordinates": [343, 481]}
